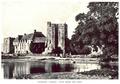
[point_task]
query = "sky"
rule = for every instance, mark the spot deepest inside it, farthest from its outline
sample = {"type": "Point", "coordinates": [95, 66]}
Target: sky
{"type": "Point", "coordinates": [23, 16]}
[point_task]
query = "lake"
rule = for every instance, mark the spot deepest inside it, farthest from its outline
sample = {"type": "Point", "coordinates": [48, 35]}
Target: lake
{"type": "Point", "coordinates": [15, 69]}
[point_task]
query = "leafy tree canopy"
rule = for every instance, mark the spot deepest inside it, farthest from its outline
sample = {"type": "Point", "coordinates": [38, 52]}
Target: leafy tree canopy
{"type": "Point", "coordinates": [99, 26]}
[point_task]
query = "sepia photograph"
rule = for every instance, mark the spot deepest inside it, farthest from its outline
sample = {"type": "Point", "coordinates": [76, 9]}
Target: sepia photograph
{"type": "Point", "coordinates": [59, 39]}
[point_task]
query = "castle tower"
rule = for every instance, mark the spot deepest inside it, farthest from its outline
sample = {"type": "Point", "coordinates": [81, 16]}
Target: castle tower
{"type": "Point", "coordinates": [62, 35]}
{"type": "Point", "coordinates": [56, 37]}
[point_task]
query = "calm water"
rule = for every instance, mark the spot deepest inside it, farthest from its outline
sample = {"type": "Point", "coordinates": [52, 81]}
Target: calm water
{"type": "Point", "coordinates": [16, 69]}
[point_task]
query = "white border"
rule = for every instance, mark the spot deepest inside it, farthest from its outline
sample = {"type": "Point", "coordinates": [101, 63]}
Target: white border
{"type": "Point", "coordinates": [13, 81]}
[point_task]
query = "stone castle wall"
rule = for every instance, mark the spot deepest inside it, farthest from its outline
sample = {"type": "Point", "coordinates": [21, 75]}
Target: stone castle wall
{"type": "Point", "coordinates": [56, 37]}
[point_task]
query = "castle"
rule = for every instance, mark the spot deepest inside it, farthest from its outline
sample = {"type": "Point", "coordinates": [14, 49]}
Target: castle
{"type": "Point", "coordinates": [8, 45]}
{"type": "Point", "coordinates": [56, 38]}
{"type": "Point", "coordinates": [33, 43]}
{"type": "Point", "coordinates": [37, 43]}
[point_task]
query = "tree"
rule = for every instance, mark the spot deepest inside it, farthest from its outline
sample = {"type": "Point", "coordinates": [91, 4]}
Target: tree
{"type": "Point", "coordinates": [107, 14]}
{"type": "Point", "coordinates": [99, 26]}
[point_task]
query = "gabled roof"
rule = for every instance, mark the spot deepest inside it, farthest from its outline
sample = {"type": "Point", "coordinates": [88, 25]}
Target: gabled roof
{"type": "Point", "coordinates": [24, 37]}
{"type": "Point", "coordinates": [39, 40]}
{"type": "Point", "coordinates": [38, 37]}
{"type": "Point", "coordinates": [17, 39]}
{"type": "Point", "coordinates": [27, 36]}
{"type": "Point", "coordinates": [38, 34]}
{"type": "Point", "coordinates": [30, 36]}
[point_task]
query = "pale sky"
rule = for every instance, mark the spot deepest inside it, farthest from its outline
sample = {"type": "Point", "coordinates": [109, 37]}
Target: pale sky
{"type": "Point", "coordinates": [23, 16]}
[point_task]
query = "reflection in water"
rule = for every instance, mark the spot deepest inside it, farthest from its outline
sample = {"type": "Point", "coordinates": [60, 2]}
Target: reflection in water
{"type": "Point", "coordinates": [37, 67]}
{"type": "Point", "coordinates": [8, 70]}
{"type": "Point", "coordinates": [21, 68]}
{"type": "Point", "coordinates": [2, 71]}
{"type": "Point", "coordinates": [86, 67]}
{"type": "Point", "coordinates": [16, 69]}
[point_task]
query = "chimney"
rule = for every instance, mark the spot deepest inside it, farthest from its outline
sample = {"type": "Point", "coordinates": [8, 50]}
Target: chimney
{"type": "Point", "coordinates": [49, 23]}
{"type": "Point", "coordinates": [65, 25]}
{"type": "Point", "coordinates": [19, 37]}
{"type": "Point", "coordinates": [24, 34]}
{"type": "Point", "coordinates": [34, 30]}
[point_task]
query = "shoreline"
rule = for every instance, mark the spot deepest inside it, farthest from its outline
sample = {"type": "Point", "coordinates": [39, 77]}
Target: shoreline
{"type": "Point", "coordinates": [53, 58]}
{"type": "Point", "coordinates": [62, 75]}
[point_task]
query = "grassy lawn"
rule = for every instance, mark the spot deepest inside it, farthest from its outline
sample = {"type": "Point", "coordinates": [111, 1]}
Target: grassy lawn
{"type": "Point", "coordinates": [63, 75]}
{"type": "Point", "coordinates": [103, 72]}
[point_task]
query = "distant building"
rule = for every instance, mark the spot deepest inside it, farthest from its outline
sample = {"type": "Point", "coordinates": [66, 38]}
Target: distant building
{"type": "Point", "coordinates": [56, 38]}
{"type": "Point", "coordinates": [36, 43]}
{"type": "Point", "coordinates": [8, 47]}
{"type": "Point", "coordinates": [33, 43]}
